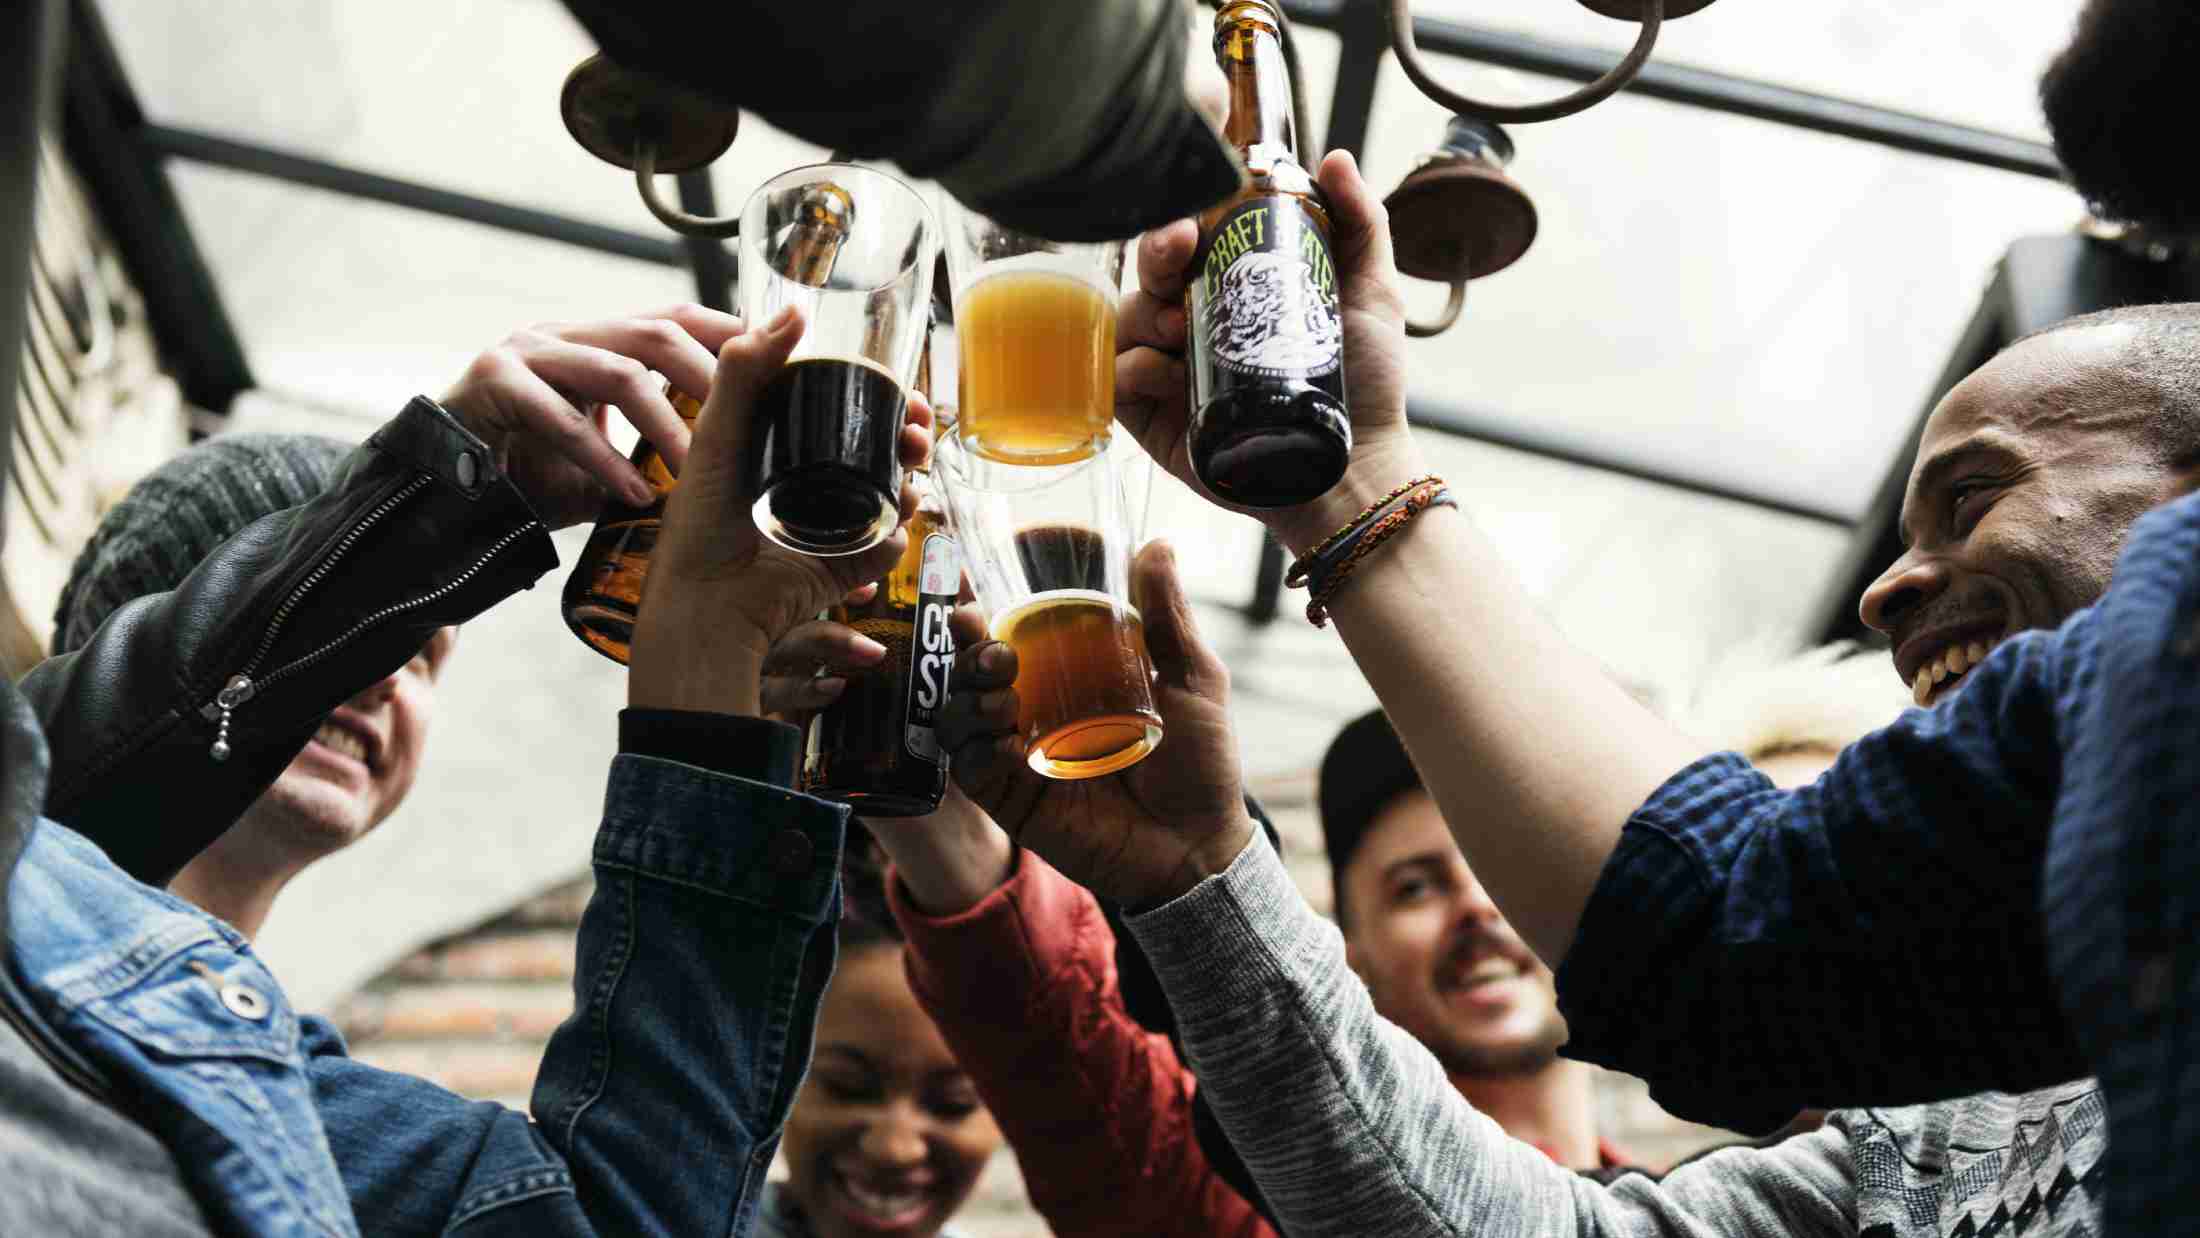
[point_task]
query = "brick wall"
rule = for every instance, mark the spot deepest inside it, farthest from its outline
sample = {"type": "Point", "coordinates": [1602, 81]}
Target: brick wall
{"type": "Point", "coordinates": [473, 1013]}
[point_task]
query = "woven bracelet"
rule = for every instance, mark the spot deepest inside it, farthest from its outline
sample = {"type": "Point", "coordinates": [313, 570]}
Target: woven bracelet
{"type": "Point", "coordinates": [1316, 564]}
{"type": "Point", "coordinates": [1382, 530]}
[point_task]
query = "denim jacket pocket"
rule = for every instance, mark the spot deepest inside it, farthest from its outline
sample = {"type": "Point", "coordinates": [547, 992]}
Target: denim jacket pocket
{"type": "Point", "coordinates": [203, 1028]}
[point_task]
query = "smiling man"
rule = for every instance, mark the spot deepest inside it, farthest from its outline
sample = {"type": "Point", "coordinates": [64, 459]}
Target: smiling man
{"type": "Point", "coordinates": [359, 766]}
{"type": "Point", "coordinates": [1438, 958]}
{"type": "Point", "coordinates": [2029, 477]}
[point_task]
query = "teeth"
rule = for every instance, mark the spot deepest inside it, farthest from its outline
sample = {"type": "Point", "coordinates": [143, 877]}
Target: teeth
{"type": "Point", "coordinates": [1953, 663]}
{"type": "Point", "coordinates": [882, 1203]}
{"type": "Point", "coordinates": [337, 739]}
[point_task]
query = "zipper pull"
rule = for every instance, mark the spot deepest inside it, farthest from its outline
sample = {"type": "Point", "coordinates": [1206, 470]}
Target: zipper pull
{"type": "Point", "coordinates": [234, 693]}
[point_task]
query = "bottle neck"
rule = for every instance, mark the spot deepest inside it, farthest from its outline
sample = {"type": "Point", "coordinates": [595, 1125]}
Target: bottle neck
{"type": "Point", "coordinates": [1251, 55]}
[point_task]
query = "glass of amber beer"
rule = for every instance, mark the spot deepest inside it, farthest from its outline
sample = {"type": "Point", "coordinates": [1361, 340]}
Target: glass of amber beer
{"type": "Point", "coordinates": [1048, 551]}
{"type": "Point", "coordinates": [1036, 323]}
{"type": "Point", "coordinates": [854, 249]}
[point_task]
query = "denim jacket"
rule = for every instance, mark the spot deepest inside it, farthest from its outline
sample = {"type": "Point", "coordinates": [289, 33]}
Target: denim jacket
{"type": "Point", "coordinates": [658, 1106]}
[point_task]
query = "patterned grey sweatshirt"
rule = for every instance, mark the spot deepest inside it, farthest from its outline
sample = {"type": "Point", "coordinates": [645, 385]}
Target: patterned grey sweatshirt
{"type": "Point", "coordinates": [1351, 1128]}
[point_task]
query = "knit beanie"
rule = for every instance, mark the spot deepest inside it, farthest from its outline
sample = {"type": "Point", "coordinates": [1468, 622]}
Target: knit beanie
{"type": "Point", "coordinates": [176, 515]}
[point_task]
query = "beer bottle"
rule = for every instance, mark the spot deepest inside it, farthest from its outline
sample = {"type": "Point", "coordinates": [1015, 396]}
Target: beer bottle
{"type": "Point", "coordinates": [604, 593]}
{"type": "Point", "coordinates": [1269, 426]}
{"type": "Point", "coordinates": [876, 748]}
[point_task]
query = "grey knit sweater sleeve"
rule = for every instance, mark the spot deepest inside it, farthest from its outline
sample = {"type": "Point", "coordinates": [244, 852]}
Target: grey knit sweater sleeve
{"type": "Point", "coordinates": [1351, 1127]}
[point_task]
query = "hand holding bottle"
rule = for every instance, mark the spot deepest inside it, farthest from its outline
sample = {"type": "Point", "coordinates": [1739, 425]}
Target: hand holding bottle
{"type": "Point", "coordinates": [539, 400]}
{"type": "Point", "coordinates": [1151, 386]}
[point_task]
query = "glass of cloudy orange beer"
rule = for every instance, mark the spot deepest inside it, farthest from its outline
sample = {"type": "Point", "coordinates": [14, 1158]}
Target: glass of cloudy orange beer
{"type": "Point", "coordinates": [1048, 550]}
{"type": "Point", "coordinates": [1035, 320]}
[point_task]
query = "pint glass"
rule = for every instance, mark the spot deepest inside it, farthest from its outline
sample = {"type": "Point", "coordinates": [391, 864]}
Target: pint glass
{"type": "Point", "coordinates": [853, 248]}
{"type": "Point", "coordinates": [1036, 324]}
{"type": "Point", "coordinates": [1048, 549]}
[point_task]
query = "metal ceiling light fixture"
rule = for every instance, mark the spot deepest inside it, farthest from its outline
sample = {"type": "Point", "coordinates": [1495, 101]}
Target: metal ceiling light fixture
{"type": "Point", "coordinates": [634, 121]}
{"type": "Point", "coordinates": [1458, 216]}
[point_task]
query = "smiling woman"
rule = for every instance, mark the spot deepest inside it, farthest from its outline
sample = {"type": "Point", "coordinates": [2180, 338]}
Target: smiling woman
{"type": "Point", "coordinates": [887, 1136]}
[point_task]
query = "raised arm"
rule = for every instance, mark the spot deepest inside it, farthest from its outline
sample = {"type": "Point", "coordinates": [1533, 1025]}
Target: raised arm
{"type": "Point", "coordinates": [1016, 966]}
{"type": "Point", "coordinates": [1536, 757]}
{"type": "Point", "coordinates": [442, 513]}
{"type": "Point", "coordinates": [705, 949]}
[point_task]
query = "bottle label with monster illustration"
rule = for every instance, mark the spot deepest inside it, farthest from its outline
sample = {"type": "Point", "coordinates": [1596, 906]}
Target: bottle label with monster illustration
{"type": "Point", "coordinates": [1263, 300]}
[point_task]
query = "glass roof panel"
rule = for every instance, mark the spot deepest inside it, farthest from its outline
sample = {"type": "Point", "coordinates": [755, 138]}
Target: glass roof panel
{"type": "Point", "coordinates": [1957, 60]}
{"type": "Point", "coordinates": [1715, 296]}
{"type": "Point", "coordinates": [460, 96]}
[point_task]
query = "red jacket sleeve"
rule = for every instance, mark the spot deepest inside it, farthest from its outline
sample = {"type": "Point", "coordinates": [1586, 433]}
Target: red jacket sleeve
{"type": "Point", "coordinates": [1098, 1109]}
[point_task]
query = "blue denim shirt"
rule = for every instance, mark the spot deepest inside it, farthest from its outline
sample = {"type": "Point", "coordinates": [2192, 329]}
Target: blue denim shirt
{"type": "Point", "coordinates": [658, 1106]}
{"type": "Point", "coordinates": [1883, 936]}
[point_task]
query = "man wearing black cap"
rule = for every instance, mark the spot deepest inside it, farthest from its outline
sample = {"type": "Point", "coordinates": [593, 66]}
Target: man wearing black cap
{"type": "Point", "coordinates": [1438, 958]}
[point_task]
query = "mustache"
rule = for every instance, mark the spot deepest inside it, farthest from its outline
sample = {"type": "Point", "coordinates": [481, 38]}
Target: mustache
{"type": "Point", "coordinates": [1948, 612]}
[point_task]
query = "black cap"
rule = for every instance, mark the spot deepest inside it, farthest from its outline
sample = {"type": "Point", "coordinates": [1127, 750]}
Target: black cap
{"type": "Point", "coordinates": [1365, 768]}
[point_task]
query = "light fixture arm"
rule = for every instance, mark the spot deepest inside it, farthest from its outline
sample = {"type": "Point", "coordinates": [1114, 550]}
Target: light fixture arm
{"type": "Point", "coordinates": [645, 179]}
{"type": "Point", "coordinates": [1444, 320]}
{"type": "Point", "coordinates": [1400, 13]}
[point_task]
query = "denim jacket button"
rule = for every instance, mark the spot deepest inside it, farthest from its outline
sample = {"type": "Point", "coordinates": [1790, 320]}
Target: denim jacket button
{"type": "Point", "coordinates": [790, 853]}
{"type": "Point", "coordinates": [244, 1001]}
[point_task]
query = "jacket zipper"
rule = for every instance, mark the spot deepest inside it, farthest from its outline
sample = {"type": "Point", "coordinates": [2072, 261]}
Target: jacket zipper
{"type": "Point", "coordinates": [243, 685]}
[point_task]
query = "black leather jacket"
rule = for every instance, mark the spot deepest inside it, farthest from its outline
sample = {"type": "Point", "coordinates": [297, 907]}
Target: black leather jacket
{"type": "Point", "coordinates": [278, 627]}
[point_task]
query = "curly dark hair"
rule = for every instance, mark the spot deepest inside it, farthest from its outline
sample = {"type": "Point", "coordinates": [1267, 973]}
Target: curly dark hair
{"type": "Point", "coordinates": [2120, 101]}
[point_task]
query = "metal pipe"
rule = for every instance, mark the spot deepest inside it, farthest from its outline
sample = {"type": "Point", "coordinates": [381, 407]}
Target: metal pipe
{"type": "Point", "coordinates": [319, 174]}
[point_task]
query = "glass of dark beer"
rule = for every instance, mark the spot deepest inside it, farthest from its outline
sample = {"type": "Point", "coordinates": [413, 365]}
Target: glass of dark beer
{"type": "Point", "coordinates": [853, 248]}
{"type": "Point", "coordinates": [1047, 549]}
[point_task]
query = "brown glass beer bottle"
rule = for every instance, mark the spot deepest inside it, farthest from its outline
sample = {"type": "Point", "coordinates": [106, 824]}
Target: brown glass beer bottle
{"type": "Point", "coordinates": [604, 593]}
{"type": "Point", "coordinates": [1269, 426]}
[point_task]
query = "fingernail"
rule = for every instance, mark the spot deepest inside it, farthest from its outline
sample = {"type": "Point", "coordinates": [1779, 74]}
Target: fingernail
{"type": "Point", "coordinates": [994, 660]}
{"type": "Point", "coordinates": [868, 648]}
{"type": "Point", "coordinates": [782, 320]}
{"type": "Point", "coordinates": [639, 493]}
{"type": "Point", "coordinates": [829, 685]}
